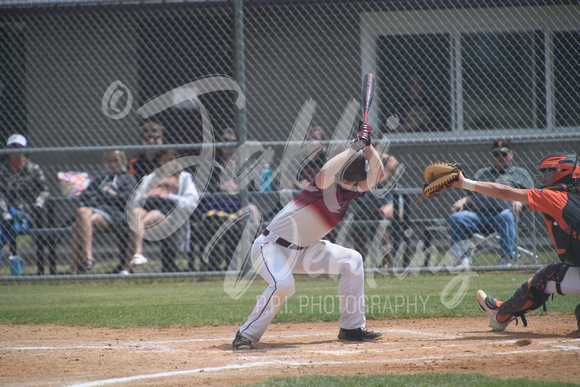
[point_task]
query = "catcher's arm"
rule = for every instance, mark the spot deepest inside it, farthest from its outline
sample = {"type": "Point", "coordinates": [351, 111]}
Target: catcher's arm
{"type": "Point", "coordinates": [495, 190]}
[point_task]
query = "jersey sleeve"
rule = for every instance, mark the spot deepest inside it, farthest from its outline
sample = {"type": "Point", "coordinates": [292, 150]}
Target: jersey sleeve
{"type": "Point", "coordinates": [547, 201]}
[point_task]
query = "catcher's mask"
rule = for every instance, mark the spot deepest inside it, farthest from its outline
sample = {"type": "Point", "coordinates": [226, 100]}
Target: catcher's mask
{"type": "Point", "coordinates": [559, 168]}
{"type": "Point", "coordinates": [355, 168]}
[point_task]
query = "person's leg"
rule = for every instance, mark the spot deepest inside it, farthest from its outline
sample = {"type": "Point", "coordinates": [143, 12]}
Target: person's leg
{"type": "Point", "coordinates": [329, 258]}
{"type": "Point", "coordinates": [81, 240]}
{"type": "Point", "coordinates": [569, 286]}
{"type": "Point", "coordinates": [76, 248]}
{"type": "Point", "coordinates": [271, 261]}
{"type": "Point", "coordinates": [387, 211]}
{"type": "Point", "coordinates": [87, 223]}
{"type": "Point", "coordinates": [3, 239]}
{"type": "Point", "coordinates": [462, 225]}
{"type": "Point", "coordinates": [531, 294]}
{"type": "Point", "coordinates": [142, 220]}
{"type": "Point", "coordinates": [505, 224]}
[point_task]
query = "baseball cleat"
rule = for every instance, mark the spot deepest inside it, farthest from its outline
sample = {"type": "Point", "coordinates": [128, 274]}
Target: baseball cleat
{"type": "Point", "coordinates": [358, 334]}
{"type": "Point", "coordinates": [241, 342]}
{"type": "Point", "coordinates": [490, 305]}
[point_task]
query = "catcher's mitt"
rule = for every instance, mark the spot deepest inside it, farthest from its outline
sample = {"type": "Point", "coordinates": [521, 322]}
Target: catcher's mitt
{"type": "Point", "coordinates": [437, 178]}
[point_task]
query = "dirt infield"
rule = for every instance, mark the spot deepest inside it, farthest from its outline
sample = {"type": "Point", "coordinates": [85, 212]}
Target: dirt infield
{"type": "Point", "coordinates": [548, 349]}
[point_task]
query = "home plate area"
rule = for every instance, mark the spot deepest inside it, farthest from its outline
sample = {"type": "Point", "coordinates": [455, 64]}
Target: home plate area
{"type": "Point", "coordinates": [548, 350]}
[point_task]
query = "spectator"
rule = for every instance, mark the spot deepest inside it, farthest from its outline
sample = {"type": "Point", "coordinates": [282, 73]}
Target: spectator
{"type": "Point", "coordinates": [143, 164]}
{"type": "Point", "coordinates": [146, 161]}
{"type": "Point", "coordinates": [214, 211]}
{"type": "Point", "coordinates": [476, 213]}
{"type": "Point", "coordinates": [23, 192]}
{"type": "Point", "coordinates": [222, 180]}
{"type": "Point", "coordinates": [307, 162]}
{"type": "Point", "coordinates": [102, 210]}
{"type": "Point", "coordinates": [292, 242]}
{"type": "Point", "coordinates": [417, 111]}
{"type": "Point", "coordinates": [379, 207]}
{"type": "Point", "coordinates": [157, 195]}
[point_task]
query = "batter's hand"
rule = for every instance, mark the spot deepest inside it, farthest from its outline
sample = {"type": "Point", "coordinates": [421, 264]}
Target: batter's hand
{"type": "Point", "coordinates": [364, 133]}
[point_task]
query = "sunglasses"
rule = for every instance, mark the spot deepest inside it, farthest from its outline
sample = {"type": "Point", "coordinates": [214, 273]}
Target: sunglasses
{"type": "Point", "coordinates": [150, 137]}
{"type": "Point", "coordinates": [503, 154]}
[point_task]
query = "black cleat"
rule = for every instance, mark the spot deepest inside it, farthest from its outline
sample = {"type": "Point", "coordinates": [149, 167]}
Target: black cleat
{"type": "Point", "coordinates": [241, 342]}
{"type": "Point", "coordinates": [358, 334]}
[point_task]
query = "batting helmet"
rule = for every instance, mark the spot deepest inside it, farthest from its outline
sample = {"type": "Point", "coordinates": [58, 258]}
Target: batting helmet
{"type": "Point", "coordinates": [559, 168]}
{"type": "Point", "coordinates": [355, 168]}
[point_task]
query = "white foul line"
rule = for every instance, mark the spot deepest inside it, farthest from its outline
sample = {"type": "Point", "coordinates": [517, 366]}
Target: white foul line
{"type": "Point", "coordinates": [308, 362]}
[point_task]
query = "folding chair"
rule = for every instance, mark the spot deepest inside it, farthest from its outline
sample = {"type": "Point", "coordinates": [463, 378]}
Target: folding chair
{"type": "Point", "coordinates": [484, 242]}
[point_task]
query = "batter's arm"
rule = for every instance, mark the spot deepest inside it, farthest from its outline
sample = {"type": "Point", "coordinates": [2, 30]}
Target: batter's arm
{"type": "Point", "coordinates": [327, 174]}
{"type": "Point", "coordinates": [376, 171]}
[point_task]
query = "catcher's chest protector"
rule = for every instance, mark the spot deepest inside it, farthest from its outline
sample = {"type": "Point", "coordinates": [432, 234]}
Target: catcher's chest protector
{"type": "Point", "coordinates": [567, 242]}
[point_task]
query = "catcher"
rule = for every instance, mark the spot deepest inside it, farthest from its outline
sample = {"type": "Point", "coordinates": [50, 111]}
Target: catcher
{"type": "Point", "coordinates": [559, 201]}
{"type": "Point", "coordinates": [292, 242]}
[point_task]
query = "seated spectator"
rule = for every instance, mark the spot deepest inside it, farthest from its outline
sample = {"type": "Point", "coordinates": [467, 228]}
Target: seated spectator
{"type": "Point", "coordinates": [378, 206]}
{"type": "Point", "coordinates": [478, 213]}
{"type": "Point", "coordinates": [214, 212]}
{"type": "Point", "coordinates": [23, 192]}
{"type": "Point", "coordinates": [167, 190]}
{"type": "Point", "coordinates": [146, 161]}
{"type": "Point", "coordinates": [307, 162]}
{"type": "Point", "coordinates": [220, 182]}
{"type": "Point", "coordinates": [102, 210]}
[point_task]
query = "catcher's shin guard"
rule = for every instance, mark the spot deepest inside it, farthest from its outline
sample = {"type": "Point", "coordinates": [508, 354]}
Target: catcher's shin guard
{"type": "Point", "coordinates": [530, 295]}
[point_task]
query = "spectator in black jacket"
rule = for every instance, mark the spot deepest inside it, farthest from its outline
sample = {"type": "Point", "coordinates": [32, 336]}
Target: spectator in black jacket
{"type": "Point", "coordinates": [146, 161]}
{"type": "Point", "coordinates": [103, 208]}
{"type": "Point", "coordinates": [23, 191]}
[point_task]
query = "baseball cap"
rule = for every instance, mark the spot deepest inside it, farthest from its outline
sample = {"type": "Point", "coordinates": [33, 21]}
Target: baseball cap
{"type": "Point", "coordinates": [17, 139]}
{"type": "Point", "coordinates": [501, 146]}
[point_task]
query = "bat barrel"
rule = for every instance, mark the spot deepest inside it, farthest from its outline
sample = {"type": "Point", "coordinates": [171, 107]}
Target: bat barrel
{"type": "Point", "coordinates": [368, 94]}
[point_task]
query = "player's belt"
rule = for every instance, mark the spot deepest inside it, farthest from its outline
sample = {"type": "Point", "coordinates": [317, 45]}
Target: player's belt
{"type": "Point", "coordinates": [283, 242]}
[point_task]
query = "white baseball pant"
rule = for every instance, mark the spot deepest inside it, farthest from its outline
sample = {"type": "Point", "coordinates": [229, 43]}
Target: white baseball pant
{"type": "Point", "coordinates": [276, 264]}
{"type": "Point", "coordinates": [570, 284]}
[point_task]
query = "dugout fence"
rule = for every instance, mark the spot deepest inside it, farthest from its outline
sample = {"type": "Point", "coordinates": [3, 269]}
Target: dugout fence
{"type": "Point", "coordinates": [79, 78]}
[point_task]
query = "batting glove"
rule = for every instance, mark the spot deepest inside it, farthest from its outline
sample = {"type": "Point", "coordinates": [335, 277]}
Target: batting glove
{"type": "Point", "coordinates": [364, 133]}
{"type": "Point", "coordinates": [363, 137]}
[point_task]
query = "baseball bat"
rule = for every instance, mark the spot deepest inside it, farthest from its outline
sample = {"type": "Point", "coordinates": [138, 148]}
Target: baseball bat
{"type": "Point", "coordinates": [367, 94]}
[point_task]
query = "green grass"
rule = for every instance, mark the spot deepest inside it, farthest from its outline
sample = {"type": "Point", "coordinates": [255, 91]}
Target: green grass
{"type": "Point", "coordinates": [161, 304]}
{"type": "Point", "coordinates": [419, 380]}
{"type": "Point", "coordinates": [165, 303]}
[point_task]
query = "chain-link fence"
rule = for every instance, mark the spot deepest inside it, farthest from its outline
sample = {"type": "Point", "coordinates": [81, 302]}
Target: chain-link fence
{"type": "Point", "coordinates": [248, 84]}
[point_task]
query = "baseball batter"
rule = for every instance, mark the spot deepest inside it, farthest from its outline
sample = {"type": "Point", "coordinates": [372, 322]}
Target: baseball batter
{"type": "Point", "coordinates": [292, 242]}
{"type": "Point", "coordinates": [559, 201]}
